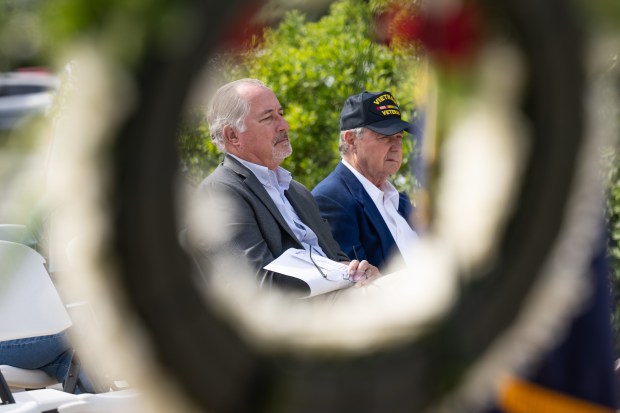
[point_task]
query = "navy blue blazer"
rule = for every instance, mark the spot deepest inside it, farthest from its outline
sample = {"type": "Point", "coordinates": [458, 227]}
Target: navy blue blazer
{"type": "Point", "coordinates": [355, 221]}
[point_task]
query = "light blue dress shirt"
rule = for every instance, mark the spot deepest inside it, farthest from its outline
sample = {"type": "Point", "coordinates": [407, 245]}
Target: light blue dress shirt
{"type": "Point", "coordinates": [275, 183]}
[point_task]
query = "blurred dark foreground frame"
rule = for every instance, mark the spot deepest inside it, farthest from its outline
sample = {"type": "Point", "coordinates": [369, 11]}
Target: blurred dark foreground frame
{"type": "Point", "coordinates": [209, 359]}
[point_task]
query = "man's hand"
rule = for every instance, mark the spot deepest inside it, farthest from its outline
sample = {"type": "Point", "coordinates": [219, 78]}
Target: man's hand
{"type": "Point", "coordinates": [362, 272]}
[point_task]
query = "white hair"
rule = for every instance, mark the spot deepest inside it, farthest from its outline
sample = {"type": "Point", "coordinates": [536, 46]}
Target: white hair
{"type": "Point", "coordinates": [229, 107]}
{"type": "Point", "coordinates": [343, 147]}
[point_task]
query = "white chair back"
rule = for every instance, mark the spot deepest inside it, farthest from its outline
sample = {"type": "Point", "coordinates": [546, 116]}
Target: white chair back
{"type": "Point", "coordinates": [29, 303]}
{"type": "Point", "coordinates": [30, 306]}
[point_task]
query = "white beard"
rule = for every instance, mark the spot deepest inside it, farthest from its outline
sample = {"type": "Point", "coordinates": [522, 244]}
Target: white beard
{"type": "Point", "coordinates": [281, 152]}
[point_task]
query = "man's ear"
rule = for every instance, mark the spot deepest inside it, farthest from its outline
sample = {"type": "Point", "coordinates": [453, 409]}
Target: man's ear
{"type": "Point", "coordinates": [230, 135]}
{"type": "Point", "coordinates": [349, 137]}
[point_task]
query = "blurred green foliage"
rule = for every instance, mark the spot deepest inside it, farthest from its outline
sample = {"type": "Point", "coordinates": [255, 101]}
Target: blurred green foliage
{"type": "Point", "coordinates": [611, 180]}
{"type": "Point", "coordinates": [43, 32]}
{"type": "Point", "coordinates": [313, 67]}
{"type": "Point", "coordinates": [612, 166]}
{"type": "Point", "coordinates": [21, 37]}
{"type": "Point", "coordinates": [198, 156]}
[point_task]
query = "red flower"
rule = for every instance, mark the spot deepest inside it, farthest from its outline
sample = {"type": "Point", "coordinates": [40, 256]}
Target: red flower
{"type": "Point", "coordinates": [448, 37]}
{"type": "Point", "coordinates": [244, 27]}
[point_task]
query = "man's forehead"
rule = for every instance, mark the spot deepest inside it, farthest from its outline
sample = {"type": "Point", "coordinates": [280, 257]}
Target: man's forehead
{"type": "Point", "coordinates": [253, 92]}
{"type": "Point", "coordinates": [264, 101]}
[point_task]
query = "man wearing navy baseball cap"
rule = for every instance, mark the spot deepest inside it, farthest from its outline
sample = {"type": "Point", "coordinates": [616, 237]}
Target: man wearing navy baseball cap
{"type": "Point", "coordinates": [368, 217]}
{"type": "Point", "coordinates": [378, 112]}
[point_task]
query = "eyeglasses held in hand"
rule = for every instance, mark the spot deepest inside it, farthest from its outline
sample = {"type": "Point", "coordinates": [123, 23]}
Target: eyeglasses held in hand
{"type": "Point", "coordinates": [330, 275]}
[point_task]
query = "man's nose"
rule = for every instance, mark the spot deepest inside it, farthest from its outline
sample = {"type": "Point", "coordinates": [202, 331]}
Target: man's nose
{"type": "Point", "coordinates": [283, 125]}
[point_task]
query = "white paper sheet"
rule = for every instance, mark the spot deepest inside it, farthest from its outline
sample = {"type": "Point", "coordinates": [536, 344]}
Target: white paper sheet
{"type": "Point", "coordinates": [297, 263]}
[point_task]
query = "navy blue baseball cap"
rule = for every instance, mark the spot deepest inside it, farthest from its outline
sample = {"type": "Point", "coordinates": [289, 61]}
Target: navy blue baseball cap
{"type": "Point", "coordinates": [378, 112]}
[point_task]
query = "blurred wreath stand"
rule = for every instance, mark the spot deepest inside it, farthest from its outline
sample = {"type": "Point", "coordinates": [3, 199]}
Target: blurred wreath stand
{"type": "Point", "coordinates": [518, 114]}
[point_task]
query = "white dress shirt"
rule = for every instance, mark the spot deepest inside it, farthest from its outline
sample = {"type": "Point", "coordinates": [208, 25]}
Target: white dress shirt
{"type": "Point", "coordinates": [275, 183]}
{"type": "Point", "coordinates": [386, 200]}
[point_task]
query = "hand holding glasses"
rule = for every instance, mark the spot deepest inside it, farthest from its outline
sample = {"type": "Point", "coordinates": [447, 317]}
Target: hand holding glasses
{"type": "Point", "coordinates": [340, 273]}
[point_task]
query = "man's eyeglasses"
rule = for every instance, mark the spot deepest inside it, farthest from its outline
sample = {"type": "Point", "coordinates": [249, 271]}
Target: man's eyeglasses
{"type": "Point", "coordinates": [333, 275]}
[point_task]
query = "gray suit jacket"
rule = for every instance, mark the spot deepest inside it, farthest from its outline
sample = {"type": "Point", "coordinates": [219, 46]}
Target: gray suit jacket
{"type": "Point", "coordinates": [257, 230]}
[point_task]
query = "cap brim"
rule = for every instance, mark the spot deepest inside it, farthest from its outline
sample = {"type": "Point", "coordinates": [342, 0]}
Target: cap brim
{"type": "Point", "coordinates": [391, 126]}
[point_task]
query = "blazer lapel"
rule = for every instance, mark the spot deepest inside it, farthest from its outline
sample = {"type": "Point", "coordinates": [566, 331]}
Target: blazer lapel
{"type": "Point", "coordinates": [254, 185]}
{"type": "Point", "coordinates": [310, 219]}
{"type": "Point", "coordinates": [405, 209]}
{"type": "Point", "coordinates": [302, 212]}
{"type": "Point", "coordinates": [370, 209]}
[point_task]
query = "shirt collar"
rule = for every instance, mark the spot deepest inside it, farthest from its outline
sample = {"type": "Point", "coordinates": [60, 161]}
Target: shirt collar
{"type": "Point", "coordinates": [387, 190]}
{"type": "Point", "coordinates": [280, 177]}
